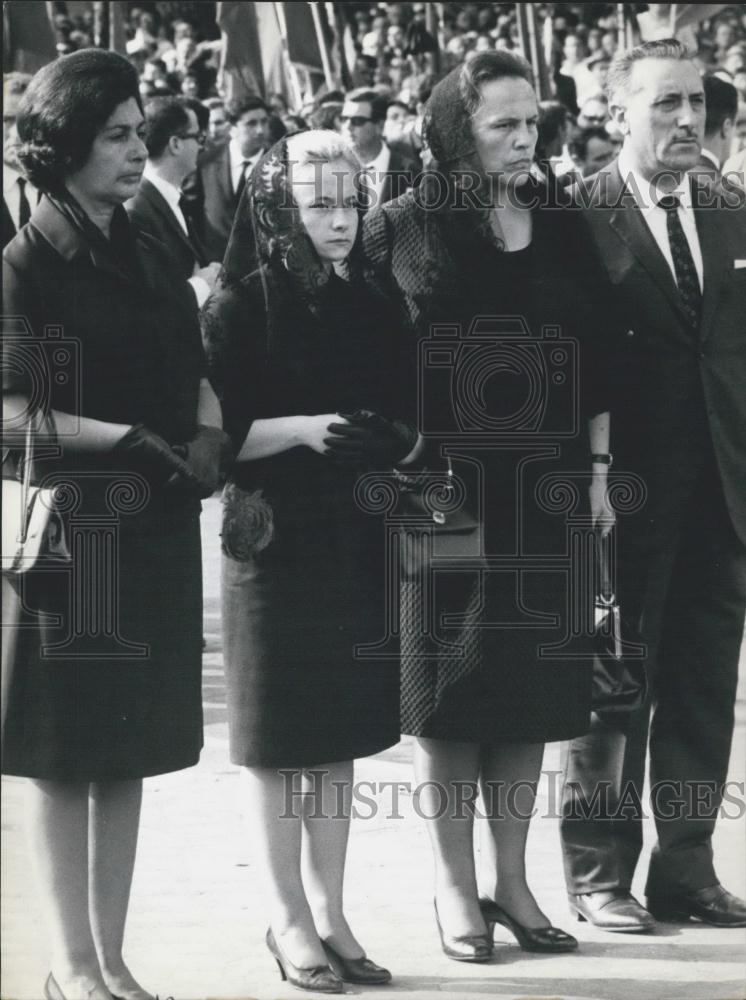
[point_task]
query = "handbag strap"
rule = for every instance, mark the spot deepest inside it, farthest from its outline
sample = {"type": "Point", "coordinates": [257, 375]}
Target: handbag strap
{"type": "Point", "coordinates": [605, 594]}
{"type": "Point", "coordinates": [42, 420]}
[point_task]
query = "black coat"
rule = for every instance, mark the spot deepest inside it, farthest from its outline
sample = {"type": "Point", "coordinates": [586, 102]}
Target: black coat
{"type": "Point", "coordinates": [101, 678]}
{"type": "Point", "coordinates": [151, 213]}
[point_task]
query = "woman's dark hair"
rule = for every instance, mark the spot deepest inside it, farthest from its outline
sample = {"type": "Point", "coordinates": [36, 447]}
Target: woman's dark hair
{"type": "Point", "coordinates": [65, 107]}
{"type": "Point", "coordinates": [487, 66]}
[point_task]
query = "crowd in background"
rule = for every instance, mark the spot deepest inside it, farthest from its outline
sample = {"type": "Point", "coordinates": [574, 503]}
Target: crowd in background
{"type": "Point", "coordinates": [176, 48]}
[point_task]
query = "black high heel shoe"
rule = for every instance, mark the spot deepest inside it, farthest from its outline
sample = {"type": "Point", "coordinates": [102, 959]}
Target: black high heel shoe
{"type": "Point", "coordinates": [529, 938]}
{"type": "Point", "coordinates": [466, 947]}
{"type": "Point", "coordinates": [356, 970]}
{"type": "Point", "coordinates": [319, 978]}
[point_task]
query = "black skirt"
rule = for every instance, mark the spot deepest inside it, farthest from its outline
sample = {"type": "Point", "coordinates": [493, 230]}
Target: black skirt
{"type": "Point", "coordinates": [97, 694]}
{"type": "Point", "coordinates": [477, 658]}
{"type": "Point", "coordinates": [300, 616]}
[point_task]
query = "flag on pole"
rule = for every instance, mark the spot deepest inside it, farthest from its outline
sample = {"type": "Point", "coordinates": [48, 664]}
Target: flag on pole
{"type": "Point", "coordinates": [28, 36]}
{"type": "Point", "coordinates": [117, 27]}
{"type": "Point", "coordinates": [251, 60]}
{"type": "Point", "coordinates": [532, 49]}
{"type": "Point", "coordinates": [343, 51]}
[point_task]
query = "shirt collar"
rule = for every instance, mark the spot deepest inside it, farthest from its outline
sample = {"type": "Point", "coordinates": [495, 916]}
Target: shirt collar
{"type": "Point", "coordinates": [380, 164]}
{"type": "Point", "coordinates": [647, 195]}
{"type": "Point", "coordinates": [165, 188]}
{"type": "Point", "coordinates": [10, 176]}
{"type": "Point", "coordinates": [711, 157]}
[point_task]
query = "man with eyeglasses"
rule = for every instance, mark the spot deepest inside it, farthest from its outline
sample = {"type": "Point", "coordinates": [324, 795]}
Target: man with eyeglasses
{"type": "Point", "coordinates": [387, 171]}
{"type": "Point", "coordinates": [224, 170]}
{"type": "Point", "coordinates": [174, 140]}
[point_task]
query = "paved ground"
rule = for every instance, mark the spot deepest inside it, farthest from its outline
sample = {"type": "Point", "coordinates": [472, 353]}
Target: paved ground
{"type": "Point", "coordinates": [197, 923]}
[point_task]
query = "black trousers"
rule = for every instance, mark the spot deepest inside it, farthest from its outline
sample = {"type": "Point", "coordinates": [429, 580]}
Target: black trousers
{"type": "Point", "coordinates": [688, 582]}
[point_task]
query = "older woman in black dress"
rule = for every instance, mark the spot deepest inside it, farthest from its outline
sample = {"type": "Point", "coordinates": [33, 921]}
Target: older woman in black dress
{"type": "Point", "coordinates": [481, 240]}
{"type": "Point", "coordinates": [307, 363]}
{"type": "Point", "coordinates": [102, 657]}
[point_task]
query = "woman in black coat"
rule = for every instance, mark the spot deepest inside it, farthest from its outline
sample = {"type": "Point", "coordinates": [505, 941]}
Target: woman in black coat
{"type": "Point", "coordinates": [493, 274]}
{"type": "Point", "coordinates": [102, 654]}
{"type": "Point", "coordinates": [307, 363]}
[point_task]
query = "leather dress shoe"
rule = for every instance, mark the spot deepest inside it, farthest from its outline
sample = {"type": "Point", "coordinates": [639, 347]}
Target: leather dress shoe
{"type": "Point", "coordinates": [360, 971]}
{"type": "Point", "coordinates": [712, 905]}
{"type": "Point", "coordinates": [464, 947]}
{"type": "Point", "coordinates": [612, 910]}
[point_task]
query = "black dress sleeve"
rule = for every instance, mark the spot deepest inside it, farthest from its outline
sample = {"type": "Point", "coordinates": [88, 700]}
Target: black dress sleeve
{"type": "Point", "coordinates": [22, 323]}
{"type": "Point", "coordinates": [234, 333]}
{"type": "Point", "coordinates": [596, 325]}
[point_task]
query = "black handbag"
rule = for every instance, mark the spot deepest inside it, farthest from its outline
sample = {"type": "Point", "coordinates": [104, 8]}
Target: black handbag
{"type": "Point", "coordinates": [434, 523]}
{"type": "Point", "coordinates": [619, 674]}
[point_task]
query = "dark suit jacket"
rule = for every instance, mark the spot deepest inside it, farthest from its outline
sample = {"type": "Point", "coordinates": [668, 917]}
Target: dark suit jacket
{"type": "Point", "coordinates": [214, 200]}
{"type": "Point", "coordinates": [9, 227]}
{"type": "Point", "coordinates": [399, 177]}
{"type": "Point", "coordinates": [677, 395]}
{"type": "Point", "coordinates": [151, 213]}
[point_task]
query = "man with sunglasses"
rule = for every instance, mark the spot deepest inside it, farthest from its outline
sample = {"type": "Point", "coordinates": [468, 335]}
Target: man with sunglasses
{"type": "Point", "coordinates": [174, 140]}
{"type": "Point", "coordinates": [388, 173]}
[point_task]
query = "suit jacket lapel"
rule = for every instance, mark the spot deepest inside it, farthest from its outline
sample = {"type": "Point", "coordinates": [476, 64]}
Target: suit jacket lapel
{"type": "Point", "coordinates": [627, 222]}
{"type": "Point", "coordinates": [715, 257]}
{"type": "Point", "coordinates": [159, 204]}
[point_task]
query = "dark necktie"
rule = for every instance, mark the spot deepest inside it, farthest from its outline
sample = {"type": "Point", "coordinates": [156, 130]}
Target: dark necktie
{"type": "Point", "coordinates": [241, 180]}
{"type": "Point", "coordinates": [367, 192]}
{"type": "Point", "coordinates": [683, 262]}
{"type": "Point", "coordinates": [24, 209]}
{"type": "Point", "coordinates": [194, 239]}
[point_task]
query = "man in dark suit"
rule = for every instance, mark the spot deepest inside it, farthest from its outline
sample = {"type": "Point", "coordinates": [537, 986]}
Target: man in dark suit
{"type": "Point", "coordinates": [173, 140]}
{"type": "Point", "coordinates": [721, 99]}
{"type": "Point", "coordinates": [674, 250]}
{"type": "Point", "coordinates": [223, 171]}
{"type": "Point", "coordinates": [388, 173]}
{"type": "Point", "coordinates": [19, 195]}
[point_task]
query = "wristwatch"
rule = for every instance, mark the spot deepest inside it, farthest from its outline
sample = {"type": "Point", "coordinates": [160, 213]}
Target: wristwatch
{"type": "Point", "coordinates": [602, 459]}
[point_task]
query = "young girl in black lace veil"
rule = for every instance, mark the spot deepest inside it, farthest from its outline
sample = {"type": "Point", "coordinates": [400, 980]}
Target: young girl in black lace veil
{"type": "Point", "coordinates": [307, 362]}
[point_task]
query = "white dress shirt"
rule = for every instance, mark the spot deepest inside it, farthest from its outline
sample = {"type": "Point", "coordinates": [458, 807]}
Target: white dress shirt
{"type": "Point", "coordinates": [376, 172]}
{"type": "Point", "coordinates": [12, 193]}
{"type": "Point", "coordinates": [711, 157]}
{"type": "Point", "coordinates": [239, 163]}
{"type": "Point", "coordinates": [647, 197]}
{"type": "Point", "coordinates": [171, 195]}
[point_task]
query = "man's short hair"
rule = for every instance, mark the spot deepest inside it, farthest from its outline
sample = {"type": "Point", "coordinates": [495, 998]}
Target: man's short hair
{"type": "Point", "coordinates": [396, 103]}
{"type": "Point", "coordinates": [200, 109]}
{"type": "Point", "coordinates": [721, 102]}
{"type": "Point", "coordinates": [164, 117]}
{"type": "Point", "coordinates": [553, 118]}
{"type": "Point", "coordinates": [234, 110]}
{"type": "Point", "coordinates": [620, 70]}
{"type": "Point", "coordinates": [578, 145]}
{"type": "Point", "coordinates": [378, 102]}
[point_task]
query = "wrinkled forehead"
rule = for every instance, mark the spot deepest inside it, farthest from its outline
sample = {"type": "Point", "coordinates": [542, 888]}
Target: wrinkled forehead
{"type": "Point", "coordinates": [654, 77]}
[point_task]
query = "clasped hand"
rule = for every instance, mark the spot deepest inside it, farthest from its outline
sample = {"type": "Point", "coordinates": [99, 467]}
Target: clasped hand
{"type": "Point", "coordinates": [199, 464]}
{"type": "Point", "coordinates": [369, 438]}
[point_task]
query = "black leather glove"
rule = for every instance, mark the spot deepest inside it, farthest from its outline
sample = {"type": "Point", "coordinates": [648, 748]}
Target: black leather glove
{"type": "Point", "coordinates": [150, 452]}
{"type": "Point", "coordinates": [208, 455]}
{"type": "Point", "coordinates": [370, 439]}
